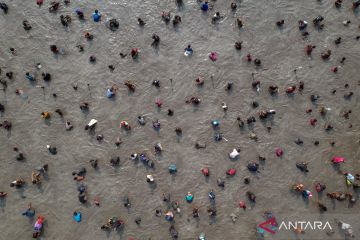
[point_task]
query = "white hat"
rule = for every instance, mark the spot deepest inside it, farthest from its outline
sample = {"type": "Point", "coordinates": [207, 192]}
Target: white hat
{"type": "Point", "coordinates": [234, 154]}
{"type": "Point", "coordinates": [150, 178]}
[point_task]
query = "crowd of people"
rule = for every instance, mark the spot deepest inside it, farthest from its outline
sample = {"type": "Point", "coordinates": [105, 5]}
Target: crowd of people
{"type": "Point", "coordinates": [351, 178]}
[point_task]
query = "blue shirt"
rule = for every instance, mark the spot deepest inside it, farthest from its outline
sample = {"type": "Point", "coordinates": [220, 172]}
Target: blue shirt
{"type": "Point", "coordinates": [189, 198]}
{"type": "Point", "coordinates": [29, 213]}
{"type": "Point", "coordinates": [168, 218]}
{"type": "Point", "coordinates": [77, 217]}
{"type": "Point", "coordinates": [30, 78]}
{"type": "Point", "coordinates": [96, 17]}
{"type": "Point", "coordinates": [172, 168]}
{"type": "Point", "coordinates": [109, 93]}
{"type": "Point", "coordinates": [204, 6]}
{"type": "Point", "coordinates": [189, 50]}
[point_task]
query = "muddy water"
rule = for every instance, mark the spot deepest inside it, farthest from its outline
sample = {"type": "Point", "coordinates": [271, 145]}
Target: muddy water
{"type": "Point", "coordinates": [280, 50]}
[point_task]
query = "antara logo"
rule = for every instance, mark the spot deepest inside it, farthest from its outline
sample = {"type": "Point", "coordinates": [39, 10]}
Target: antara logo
{"type": "Point", "coordinates": [272, 226]}
{"type": "Point", "coordinates": [305, 225]}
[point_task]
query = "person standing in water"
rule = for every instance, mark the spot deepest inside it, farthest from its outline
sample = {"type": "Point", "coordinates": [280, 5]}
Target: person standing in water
{"type": "Point", "coordinates": [96, 16]}
{"type": "Point", "coordinates": [30, 211]}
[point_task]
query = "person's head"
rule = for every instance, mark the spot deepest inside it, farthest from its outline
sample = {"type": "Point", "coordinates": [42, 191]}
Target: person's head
{"type": "Point", "coordinates": [27, 74]}
{"type": "Point", "coordinates": [96, 11]}
{"type": "Point", "coordinates": [45, 167]}
{"type": "Point", "coordinates": [246, 180]}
